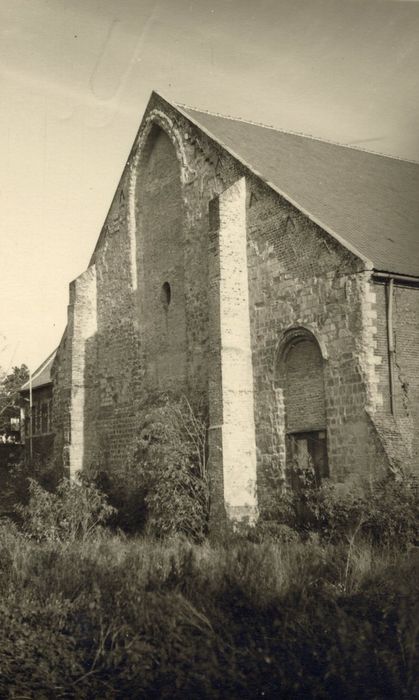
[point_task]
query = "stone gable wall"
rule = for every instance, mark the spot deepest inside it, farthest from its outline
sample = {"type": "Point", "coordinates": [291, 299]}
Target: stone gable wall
{"type": "Point", "coordinates": [301, 278]}
{"type": "Point", "coordinates": [158, 229]}
{"type": "Point", "coordinates": [160, 263]}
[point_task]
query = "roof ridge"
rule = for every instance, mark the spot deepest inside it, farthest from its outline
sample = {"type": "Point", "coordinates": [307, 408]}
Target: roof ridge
{"type": "Point", "coordinates": [294, 133]}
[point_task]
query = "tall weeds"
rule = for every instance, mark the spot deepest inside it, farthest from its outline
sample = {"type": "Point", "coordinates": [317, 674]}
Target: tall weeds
{"type": "Point", "coordinates": [319, 600]}
{"type": "Point", "coordinates": [118, 617]}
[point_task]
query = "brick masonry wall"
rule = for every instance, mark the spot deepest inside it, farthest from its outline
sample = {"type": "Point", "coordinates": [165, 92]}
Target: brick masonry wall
{"type": "Point", "coordinates": [160, 264]}
{"type": "Point", "coordinates": [158, 230]}
{"type": "Point", "coordinates": [114, 365]}
{"type": "Point", "coordinates": [304, 395]}
{"type": "Point", "coordinates": [162, 197]}
{"type": "Point", "coordinates": [400, 435]}
{"type": "Point", "coordinates": [300, 277]}
{"type": "Point", "coordinates": [61, 403]}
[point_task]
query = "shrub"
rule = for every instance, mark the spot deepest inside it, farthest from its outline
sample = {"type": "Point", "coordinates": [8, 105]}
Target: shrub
{"type": "Point", "coordinates": [15, 489]}
{"type": "Point", "coordinates": [386, 511]}
{"type": "Point", "coordinates": [77, 510]}
{"type": "Point", "coordinates": [271, 531]}
{"type": "Point", "coordinates": [171, 454]}
{"type": "Point", "coordinates": [164, 490]}
{"type": "Point", "coordinates": [391, 511]}
{"type": "Point", "coordinates": [336, 513]}
{"type": "Point", "coordinates": [126, 491]}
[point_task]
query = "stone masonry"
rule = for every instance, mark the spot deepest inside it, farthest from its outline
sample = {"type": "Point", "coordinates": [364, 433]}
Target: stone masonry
{"type": "Point", "coordinates": [208, 282]}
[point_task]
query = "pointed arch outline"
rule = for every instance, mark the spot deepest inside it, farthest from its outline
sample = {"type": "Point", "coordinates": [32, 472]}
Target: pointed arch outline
{"type": "Point", "coordinates": [155, 118]}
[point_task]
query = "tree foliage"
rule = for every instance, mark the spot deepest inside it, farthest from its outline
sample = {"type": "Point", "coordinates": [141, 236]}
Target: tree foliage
{"type": "Point", "coordinates": [10, 386]}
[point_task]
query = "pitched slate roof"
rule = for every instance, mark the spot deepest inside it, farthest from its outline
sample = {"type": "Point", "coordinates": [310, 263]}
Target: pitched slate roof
{"type": "Point", "coordinates": [42, 375]}
{"type": "Point", "coordinates": [369, 202]}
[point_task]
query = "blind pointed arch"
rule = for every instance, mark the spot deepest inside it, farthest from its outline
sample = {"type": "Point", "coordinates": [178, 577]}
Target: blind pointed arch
{"type": "Point", "coordinates": [301, 377]}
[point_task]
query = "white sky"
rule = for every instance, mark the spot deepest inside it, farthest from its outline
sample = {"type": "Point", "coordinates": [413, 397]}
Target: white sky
{"type": "Point", "coordinates": [75, 79]}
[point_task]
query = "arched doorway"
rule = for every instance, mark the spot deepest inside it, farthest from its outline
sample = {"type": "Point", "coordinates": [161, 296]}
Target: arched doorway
{"type": "Point", "coordinates": [300, 374]}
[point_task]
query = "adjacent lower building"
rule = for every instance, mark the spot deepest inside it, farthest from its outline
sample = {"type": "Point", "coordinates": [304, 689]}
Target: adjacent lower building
{"type": "Point", "coordinates": [274, 275]}
{"type": "Point", "coordinates": [37, 433]}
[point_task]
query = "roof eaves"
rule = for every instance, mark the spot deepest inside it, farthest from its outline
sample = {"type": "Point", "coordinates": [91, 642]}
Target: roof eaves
{"type": "Point", "coordinates": [50, 358]}
{"type": "Point", "coordinates": [25, 387]}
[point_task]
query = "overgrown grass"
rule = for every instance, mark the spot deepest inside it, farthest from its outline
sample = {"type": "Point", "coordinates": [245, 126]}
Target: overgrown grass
{"type": "Point", "coordinates": [138, 618]}
{"type": "Point", "coordinates": [318, 600]}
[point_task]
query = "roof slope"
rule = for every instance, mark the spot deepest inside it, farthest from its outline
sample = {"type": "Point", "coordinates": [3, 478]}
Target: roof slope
{"type": "Point", "coordinates": [368, 200]}
{"type": "Point", "coordinates": [42, 375]}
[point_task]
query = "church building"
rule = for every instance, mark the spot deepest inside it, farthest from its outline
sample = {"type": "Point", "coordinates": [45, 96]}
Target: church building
{"type": "Point", "coordinates": [272, 274]}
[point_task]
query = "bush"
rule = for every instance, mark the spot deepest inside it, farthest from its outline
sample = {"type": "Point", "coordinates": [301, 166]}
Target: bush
{"type": "Point", "coordinates": [391, 511]}
{"type": "Point", "coordinates": [271, 531]}
{"type": "Point", "coordinates": [126, 491]}
{"type": "Point", "coordinates": [15, 489]}
{"type": "Point", "coordinates": [385, 511]}
{"type": "Point", "coordinates": [76, 511]}
{"type": "Point", "coordinates": [164, 490]}
{"type": "Point", "coordinates": [172, 458]}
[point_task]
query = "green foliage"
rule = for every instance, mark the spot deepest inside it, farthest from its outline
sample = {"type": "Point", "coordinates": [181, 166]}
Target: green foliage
{"type": "Point", "coordinates": [76, 510]}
